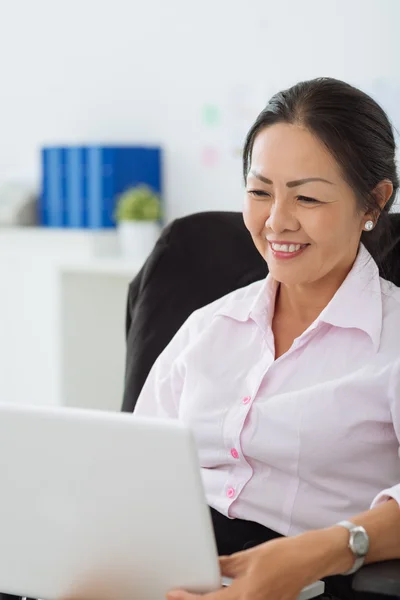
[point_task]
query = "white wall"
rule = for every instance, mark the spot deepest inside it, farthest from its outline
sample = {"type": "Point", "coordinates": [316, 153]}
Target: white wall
{"type": "Point", "coordinates": [129, 70]}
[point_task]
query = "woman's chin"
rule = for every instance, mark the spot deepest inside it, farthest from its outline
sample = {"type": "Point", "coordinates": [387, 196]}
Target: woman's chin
{"type": "Point", "coordinates": [287, 274]}
{"type": "Point", "coordinates": [286, 278]}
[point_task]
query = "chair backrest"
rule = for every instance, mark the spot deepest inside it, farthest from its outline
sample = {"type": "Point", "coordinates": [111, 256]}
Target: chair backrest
{"type": "Point", "coordinates": [197, 259]}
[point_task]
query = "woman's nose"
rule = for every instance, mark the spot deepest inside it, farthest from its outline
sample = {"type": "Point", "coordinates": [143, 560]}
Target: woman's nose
{"type": "Point", "coordinates": [281, 218]}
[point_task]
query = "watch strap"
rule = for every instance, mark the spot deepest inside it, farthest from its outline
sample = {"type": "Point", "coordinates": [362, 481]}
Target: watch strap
{"type": "Point", "coordinates": [358, 560]}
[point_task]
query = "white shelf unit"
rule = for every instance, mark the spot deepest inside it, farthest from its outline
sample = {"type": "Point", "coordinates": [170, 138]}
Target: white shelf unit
{"type": "Point", "coordinates": [93, 305]}
{"type": "Point", "coordinates": [62, 314]}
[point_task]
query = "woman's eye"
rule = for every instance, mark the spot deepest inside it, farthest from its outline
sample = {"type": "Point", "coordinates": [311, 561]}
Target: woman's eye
{"type": "Point", "coordinates": [258, 193]}
{"type": "Point", "coordinates": [308, 200]}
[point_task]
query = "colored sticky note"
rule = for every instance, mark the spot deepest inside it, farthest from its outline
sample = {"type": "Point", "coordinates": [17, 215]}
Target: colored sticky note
{"type": "Point", "coordinates": [209, 156]}
{"type": "Point", "coordinates": [211, 114]}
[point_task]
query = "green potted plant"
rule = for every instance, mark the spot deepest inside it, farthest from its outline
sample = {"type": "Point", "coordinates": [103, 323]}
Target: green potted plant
{"type": "Point", "coordinates": [138, 214]}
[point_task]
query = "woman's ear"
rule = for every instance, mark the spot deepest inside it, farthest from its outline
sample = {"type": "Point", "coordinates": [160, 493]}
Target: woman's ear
{"type": "Point", "coordinates": [383, 192]}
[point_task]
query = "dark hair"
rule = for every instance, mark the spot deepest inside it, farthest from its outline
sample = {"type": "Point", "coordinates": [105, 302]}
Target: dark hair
{"type": "Point", "coordinates": [357, 133]}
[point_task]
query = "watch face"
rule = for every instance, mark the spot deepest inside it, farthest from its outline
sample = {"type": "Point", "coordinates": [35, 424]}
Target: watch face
{"type": "Point", "coordinates": [360, 543]}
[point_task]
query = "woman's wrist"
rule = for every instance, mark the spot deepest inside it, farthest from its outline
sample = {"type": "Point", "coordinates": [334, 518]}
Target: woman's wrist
{"type": "Point", "coordinates": [328, 549]}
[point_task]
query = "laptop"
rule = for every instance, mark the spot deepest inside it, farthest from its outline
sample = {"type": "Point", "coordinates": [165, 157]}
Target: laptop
{"type": "Point", "coordinates": [102, 506]}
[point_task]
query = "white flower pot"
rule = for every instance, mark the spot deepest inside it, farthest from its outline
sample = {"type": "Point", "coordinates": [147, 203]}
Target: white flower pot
{"type": "Point", "coordinates": [137, 238]}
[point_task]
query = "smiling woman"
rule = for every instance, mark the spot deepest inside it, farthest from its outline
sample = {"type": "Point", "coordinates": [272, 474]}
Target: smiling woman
{"type": "Point", "coordinates": [291, 385]}
{"type": "Point", "coordinates": [324, 131]}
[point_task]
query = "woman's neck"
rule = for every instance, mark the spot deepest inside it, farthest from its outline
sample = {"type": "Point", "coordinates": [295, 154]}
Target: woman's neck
{"type": "Point", "coordinates": [305, 302]}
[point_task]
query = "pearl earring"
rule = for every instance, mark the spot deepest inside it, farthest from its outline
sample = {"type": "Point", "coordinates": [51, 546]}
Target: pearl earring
{"type": "Point", "coordinates": [369, 225]}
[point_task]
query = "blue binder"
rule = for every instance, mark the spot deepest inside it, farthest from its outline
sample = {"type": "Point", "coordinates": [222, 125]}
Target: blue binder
{"type": "Point", "coordinates": [43, 203]}
{"type": "Point", "coordinates": [110, 171]}
{"type": "Point", "coordinates": [52, 204]}
{"type": "Point", "coordinates": [76, 187]}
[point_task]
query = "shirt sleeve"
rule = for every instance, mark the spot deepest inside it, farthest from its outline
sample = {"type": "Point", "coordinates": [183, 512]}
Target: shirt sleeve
{"type": "Point", "coordinates": [161, 392]}
{"type": "Point", "coordinates": [394, 392]}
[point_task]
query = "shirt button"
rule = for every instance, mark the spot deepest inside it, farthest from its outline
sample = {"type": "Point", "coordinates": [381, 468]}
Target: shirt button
{"type": "Point", "coordinates": [234, 453]}
{"type": "Point", "coordinates": [230, 492]}
{"type": "Point", "coordinates": [246, 400]}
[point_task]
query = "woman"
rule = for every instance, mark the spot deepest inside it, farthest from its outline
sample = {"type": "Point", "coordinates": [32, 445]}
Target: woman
{"type": "Point", "coordinates": [292, 385]}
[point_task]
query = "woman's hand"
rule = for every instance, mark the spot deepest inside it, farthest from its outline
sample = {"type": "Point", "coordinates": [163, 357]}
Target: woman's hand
{"type": "Point", "coordinates": [279, 569]}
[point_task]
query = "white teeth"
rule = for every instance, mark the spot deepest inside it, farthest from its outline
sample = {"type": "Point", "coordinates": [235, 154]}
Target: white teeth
{"type": "Point", "coordinates": [286, 247]}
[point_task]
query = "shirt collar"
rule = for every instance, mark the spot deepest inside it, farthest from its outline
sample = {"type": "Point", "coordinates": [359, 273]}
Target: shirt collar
{"type": "Point", "coordinates": [357, 304]}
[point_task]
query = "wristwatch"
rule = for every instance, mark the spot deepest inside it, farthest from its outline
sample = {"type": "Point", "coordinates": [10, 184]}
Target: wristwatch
{"type": "Point", "coordinates": [358, 544]}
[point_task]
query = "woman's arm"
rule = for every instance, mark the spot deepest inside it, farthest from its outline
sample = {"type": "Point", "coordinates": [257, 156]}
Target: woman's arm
{"type": "Point", "coordinates": [382, 524]}
{"type": "Point", "coordinates": [162, 389]}
{"type": "Point", "coordinates": [281, 568]}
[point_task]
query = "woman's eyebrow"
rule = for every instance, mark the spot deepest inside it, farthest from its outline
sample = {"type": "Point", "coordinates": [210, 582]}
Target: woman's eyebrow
{"type": "Point", "coordinates": [289, 184]}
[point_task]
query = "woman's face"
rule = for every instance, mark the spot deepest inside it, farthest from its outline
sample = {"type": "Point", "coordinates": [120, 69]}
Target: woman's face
{"type": "Point", "coordinates": [301, 213]}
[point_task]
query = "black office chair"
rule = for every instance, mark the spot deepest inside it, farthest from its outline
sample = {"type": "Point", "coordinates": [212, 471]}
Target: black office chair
{"type": "Point", "coordinates": [197, 260]}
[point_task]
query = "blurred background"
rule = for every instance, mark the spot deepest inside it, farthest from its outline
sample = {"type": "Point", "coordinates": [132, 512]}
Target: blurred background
{"type": "Point", "coordinates": [119, 116]}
